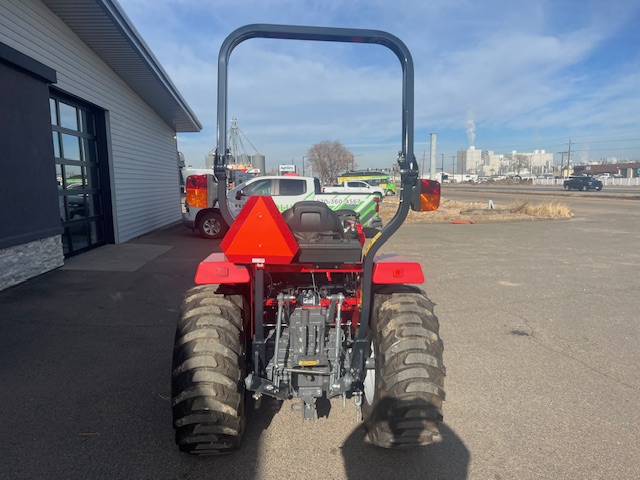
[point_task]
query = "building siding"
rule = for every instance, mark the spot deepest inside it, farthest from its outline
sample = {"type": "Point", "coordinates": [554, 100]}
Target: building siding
{"type": "Point", "coordinates": [142, 147]}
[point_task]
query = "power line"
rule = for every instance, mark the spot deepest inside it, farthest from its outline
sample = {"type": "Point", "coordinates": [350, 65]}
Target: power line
{"type": "Point", "coordinates": [606, 149]}
{"type": "Point", "coordinates": [510, 147]}
{"type": "Point", "coordinates": [612, 141]}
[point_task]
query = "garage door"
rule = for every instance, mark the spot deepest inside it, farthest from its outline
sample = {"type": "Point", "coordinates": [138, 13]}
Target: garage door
{"type": "Point", "coordinates": [78, 174]}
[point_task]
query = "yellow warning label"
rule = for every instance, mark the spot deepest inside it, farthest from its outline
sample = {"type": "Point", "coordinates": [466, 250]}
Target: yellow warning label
{"type": "Point", "coordinates": [308, 363]}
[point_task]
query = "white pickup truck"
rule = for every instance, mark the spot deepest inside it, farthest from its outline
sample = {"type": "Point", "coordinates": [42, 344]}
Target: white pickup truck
{"type": "Point", "coordinates": [201, 211]}
{"type": "Point", "coordinates": [354, 186]}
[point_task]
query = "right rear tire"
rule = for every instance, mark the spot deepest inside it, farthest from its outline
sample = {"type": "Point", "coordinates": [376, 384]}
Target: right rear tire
{"type": "Point", "coordinates": [207, 384]}
{"type": "Point", "coordinates": [404, 393]}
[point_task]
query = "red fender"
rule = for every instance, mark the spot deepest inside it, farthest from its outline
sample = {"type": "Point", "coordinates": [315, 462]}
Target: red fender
{"type": "Point", "coordinates": [390, 268]}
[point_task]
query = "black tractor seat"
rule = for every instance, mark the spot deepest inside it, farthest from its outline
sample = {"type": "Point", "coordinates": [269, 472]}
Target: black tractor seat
{"type": "Point", "coordinates": [320, 235]}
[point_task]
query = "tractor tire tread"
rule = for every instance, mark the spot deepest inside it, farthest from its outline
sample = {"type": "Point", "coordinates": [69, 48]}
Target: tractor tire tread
{"type": "Point", "coordinates": [410, 371]}
{"type": "Point", "coordinates": [207, 382]}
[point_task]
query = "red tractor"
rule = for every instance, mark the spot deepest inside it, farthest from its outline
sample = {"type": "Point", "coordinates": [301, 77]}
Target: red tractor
{"type": "Point", "coordinates": [297, 307]}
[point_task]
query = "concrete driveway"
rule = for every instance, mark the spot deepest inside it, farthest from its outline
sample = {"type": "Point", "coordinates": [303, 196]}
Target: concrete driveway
{"type": "Point", "coordinates": [539, 320]}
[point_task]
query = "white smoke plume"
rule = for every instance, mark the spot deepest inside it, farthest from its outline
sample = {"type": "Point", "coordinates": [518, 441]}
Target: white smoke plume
{"type": "Point", "coordinates": [471, 127]}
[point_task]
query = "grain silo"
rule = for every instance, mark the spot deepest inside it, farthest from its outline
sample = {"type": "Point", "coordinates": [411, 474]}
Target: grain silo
{"type": "Point", "coordinates": [259, 162]}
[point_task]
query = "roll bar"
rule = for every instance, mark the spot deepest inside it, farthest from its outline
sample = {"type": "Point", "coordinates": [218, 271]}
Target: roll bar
{"type": "Point", "coordinates": [406, 158]}
{"type": "Point", "coordinates": [298, 32]}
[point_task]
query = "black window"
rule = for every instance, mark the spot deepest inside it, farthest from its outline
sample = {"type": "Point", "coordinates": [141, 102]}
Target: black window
{"type": "Point", "coordinates": [293, 187]}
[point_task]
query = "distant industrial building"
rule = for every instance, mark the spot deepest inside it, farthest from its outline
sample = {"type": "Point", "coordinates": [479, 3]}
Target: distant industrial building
{"type": "Point", "coordinates": [537, 162]}
{"type": "Point", "coordinates": [468, 161]}
{"type": "Point", "coordinates": [486, 163]}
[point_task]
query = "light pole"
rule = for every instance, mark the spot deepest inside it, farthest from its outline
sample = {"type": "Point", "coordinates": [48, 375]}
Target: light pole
{"type": "Point", "coordinates": [303, 157]}
{"type": "Point", "coordinates": [353, 160]}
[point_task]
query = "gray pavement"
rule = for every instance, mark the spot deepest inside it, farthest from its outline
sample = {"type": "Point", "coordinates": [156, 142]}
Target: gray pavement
{"type": "Point", "coordinates": [539, 320]}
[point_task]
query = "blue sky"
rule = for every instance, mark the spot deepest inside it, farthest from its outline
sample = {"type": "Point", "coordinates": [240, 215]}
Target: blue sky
{"type": "Point", "coordinates": [501, 75]}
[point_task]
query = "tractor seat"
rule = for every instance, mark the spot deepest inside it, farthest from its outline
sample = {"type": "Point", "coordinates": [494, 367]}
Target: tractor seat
{"type": "Point", "coordinates": [313, 221]}
{"type": "Point", "coordinates": [320, 235]}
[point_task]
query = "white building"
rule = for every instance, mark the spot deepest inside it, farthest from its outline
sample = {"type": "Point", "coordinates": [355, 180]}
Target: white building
{"type": "Point", "coordinates": [487, 163]}
{"type": "Point", "coordinates": [79, 73]}
{"type": "Point", "coordinates": [537, 162]}
{"type": "Point", "coordinates": [468, 161]}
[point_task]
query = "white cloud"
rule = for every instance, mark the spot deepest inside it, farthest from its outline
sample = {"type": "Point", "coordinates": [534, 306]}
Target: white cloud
{"type": "Point", "coordinates": [524, 67]}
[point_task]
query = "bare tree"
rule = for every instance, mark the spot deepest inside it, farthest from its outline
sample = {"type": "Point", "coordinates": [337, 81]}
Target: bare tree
{"type": "Point", "coordinates": [329, 159]}
{"type": "Point", "coordinates": [521, 162]}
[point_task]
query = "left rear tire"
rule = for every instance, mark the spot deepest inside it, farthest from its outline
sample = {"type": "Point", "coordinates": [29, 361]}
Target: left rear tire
{"type": "Point", "coordinates": [207, 382]}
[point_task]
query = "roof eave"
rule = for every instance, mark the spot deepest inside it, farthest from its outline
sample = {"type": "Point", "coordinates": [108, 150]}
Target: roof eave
{"type": "Point", "coordinates": [104, 27]}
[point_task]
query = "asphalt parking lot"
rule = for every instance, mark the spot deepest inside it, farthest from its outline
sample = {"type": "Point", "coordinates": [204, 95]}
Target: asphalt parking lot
{"type": "Point", "coordinates": [539, 320]}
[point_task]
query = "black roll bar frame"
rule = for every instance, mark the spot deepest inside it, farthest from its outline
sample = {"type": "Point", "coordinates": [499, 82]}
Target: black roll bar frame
{"type": "Point", "coordinates": [408, 166]}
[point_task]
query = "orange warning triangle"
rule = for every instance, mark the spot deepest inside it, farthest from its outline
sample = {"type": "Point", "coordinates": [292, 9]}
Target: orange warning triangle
{"type": "Point", "coordinates": [259, 235]}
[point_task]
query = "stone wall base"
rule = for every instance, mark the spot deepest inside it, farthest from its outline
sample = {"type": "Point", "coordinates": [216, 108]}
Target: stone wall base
{"type": "Point", "coordinates": [29, 260]}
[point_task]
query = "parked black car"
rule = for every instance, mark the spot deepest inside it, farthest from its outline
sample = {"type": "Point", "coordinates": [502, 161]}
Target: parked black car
{"type": "Point", "coordinates": [583, 183]}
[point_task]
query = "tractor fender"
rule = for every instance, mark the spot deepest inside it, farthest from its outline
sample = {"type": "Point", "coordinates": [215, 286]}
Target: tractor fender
{"type": "Point", "coordinates": [216, 269]}
{"type": "Point", "coordinates": [389, 269]}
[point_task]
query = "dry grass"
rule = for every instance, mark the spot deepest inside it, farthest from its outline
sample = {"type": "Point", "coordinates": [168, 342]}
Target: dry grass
{"type": "Point", "coordinates": [551, 210]}
{"type": "Point", "coordinates": [452, 210]}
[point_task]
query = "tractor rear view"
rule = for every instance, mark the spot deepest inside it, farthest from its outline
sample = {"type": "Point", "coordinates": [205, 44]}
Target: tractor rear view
{"type": "Point", "coordinates": [295, 306]}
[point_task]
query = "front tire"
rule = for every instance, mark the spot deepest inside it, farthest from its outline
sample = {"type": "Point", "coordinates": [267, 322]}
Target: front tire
{"type": "Point", "coordinates": [404, 393]}
{"type": "Point", "coordinates": [207, 384]}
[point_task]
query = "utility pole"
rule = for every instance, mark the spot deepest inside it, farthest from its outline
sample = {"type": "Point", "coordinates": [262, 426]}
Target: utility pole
{"type": "Point", "coordinates": [562, 154]}
{"type": "Point", "coordinates": [569, 155]}
{"type": "Point", "coordinates": [424, 155]}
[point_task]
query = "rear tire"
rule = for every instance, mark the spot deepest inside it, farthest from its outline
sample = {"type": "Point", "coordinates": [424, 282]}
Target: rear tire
{"type": "Point", "coordinates": [402, 404]}
{"type": "Point", "coordinates": [212, 226]}
{"type": "Point", "coordinates": [207, 384]}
